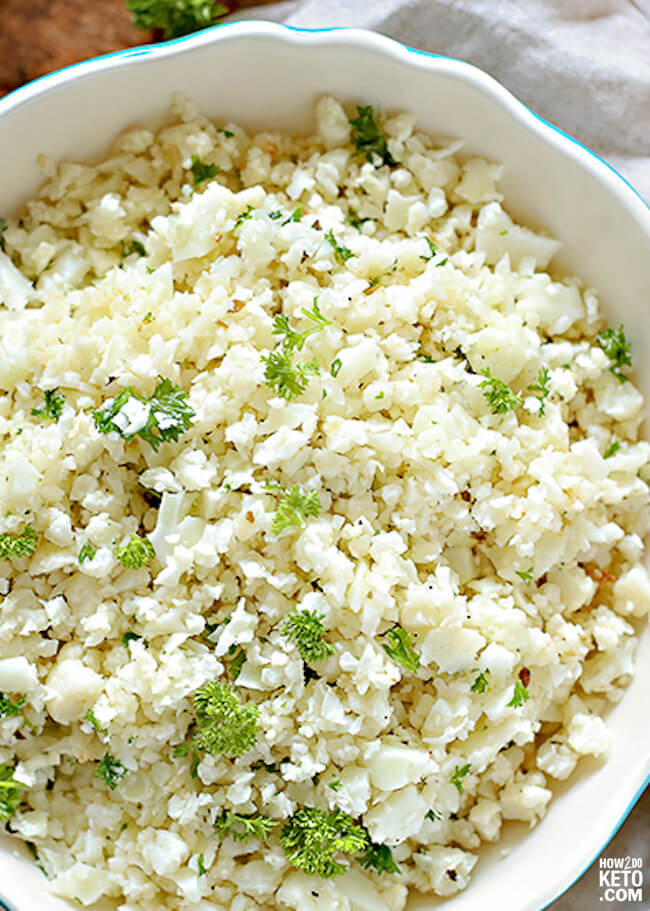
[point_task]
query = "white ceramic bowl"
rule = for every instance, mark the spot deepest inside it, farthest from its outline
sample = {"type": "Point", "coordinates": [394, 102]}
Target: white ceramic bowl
{"type": "Point", "coordinates": [265, 75]}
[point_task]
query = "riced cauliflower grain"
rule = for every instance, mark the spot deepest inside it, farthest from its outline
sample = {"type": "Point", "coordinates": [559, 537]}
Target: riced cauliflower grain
{"type": "Point", "coordinates": [463, 573]}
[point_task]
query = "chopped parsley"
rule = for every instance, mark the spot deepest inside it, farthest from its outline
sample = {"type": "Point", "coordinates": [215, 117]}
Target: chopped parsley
{"type": "Point", "coordinates": [167, 418]}
{"type": "Point", "coordinates": [87, 552]}
{"type": "Point", "coordinates": [235, 660]}
{"type": "Point", "coordinates": [175, 17]}
{"type": "Point", "coordinates": [287, 379]}
{"type": "Point", "coordinates": [459, 773]}
{"type": "Point", "coordinates": [90, 718]}
{"type": "Point", "coordinates": [243, 216]}
{"type": "Point", "coordinates": [399, 648]}
{"type": "Point", "coordinates": [526, 575]}
{"type": "Point", "coordinates": [433, 815]}
{"type": "Point", "coordinates": [200, 865]}
{"type": "Point", "coordinates": [52, 406]}
{"type": "Point", "coordinates": [10, 793]}
{"type": "Point", "coordinates": [127, 247]}
{"type": "Point", "coordinates": [223, 724]}
{"type": "Point", "coordinates": [341, 253]}
{"type": "Point", "coordinates": [520, 695]}
{"type": "Point", "coordinates": [294, 507]}
{"type": "Point", "coordinates": [311, 838]}
{"type": "Point", "coordinates": [335, 785]}
{"type": "Point", "coordinates": [368, 139]}
{"type": "Point", "coordinates": [480, 685]}
{"type": "Point", "coordinates": [498, 394]}
{"type": "Point", "coordinates": [243, 826]}
{"type": "Point", "coordinates": [432, 249]}
{"type": "Point", "coordinates": [296, 215]}
{"type": "Point", "coordinates": [612, 449]}
{"type": "Point", "coordinates": [617, 348]}
{"type": "Point", "coordinates": [336, 366]}
{"type": "Point", "coordinates": [294, 340]}
{"type": "Point", "coordinates": [540, 386]}
{"type": "Point", "coordinates": [129, 637]}
{"type": "Point", "coordinates": [9, 708]}
{"type": "Point", "coordinates": [227, 133]}
{"type": "Point", "coordinates": [202, 171]}
{"type": "Point", "coordinates": [356, 221]}
{"type": "Point", "coordinates": [22, 545]}
{"type": "Point", "coordinates": [378, 858]}
{"type": "Point", "coordinates": [110, 770]}
{"type": "Point", "coordinates": [136, 553]}
{"type": "Point", "coordinates": [305, 629]}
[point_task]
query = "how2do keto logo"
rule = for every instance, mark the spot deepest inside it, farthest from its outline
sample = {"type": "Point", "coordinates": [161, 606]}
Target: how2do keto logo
{"type": "Point", "coordinates": [621, 879]}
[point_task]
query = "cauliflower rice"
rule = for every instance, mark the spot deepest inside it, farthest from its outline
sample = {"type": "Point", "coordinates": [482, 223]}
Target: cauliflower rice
{"type": "Point", "coordinates": [475, 569]}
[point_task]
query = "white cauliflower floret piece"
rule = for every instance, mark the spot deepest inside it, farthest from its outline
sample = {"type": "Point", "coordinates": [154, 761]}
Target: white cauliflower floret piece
{"type": "Point", "coordinates": [72, 688]}
{"type": "Point", "coordinates": [588, 734]}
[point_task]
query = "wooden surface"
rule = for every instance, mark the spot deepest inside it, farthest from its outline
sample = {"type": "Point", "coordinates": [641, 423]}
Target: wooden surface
{"type": "Point", "coordinates": [38, 36]}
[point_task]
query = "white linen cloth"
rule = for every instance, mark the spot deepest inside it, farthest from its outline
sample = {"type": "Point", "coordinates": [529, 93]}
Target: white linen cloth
{"type": "Point", "coordinates": [583, 65]}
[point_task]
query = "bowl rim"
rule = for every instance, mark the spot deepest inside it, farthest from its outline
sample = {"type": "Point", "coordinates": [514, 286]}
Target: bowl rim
{"type": "Point", "coordinates": [637, 207]}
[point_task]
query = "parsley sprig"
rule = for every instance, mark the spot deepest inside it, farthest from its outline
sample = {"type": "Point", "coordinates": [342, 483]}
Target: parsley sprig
{"type": "Point", "coordinates": [110, 770]}
{"type": "Point", "coordinates": [341, 253]}
{"type": "Point", "coordinates": [378, 858]}
{"type": "Point", "coordinates": [368, 138]}
{"type": "Point", "coordinates": [169, 414]}
{"type": "Point", "coordinates": [305, 629]}
{"type": "Point", "coordinates": [480, 684]}
{"type": "Point", "coordinates": [22, 545]}
{"type": "Point", "coordinates": [243, 826]}
{"type": "Point", "coordinates": [498, 394]}
{"type": "Point", "coordinates": [223, 724]}
{"type": "Point", "coordinates": [459, 773]}
{"type": "Point", "coordinates": [294, 507]}
{"type": "Point", "coordinates": [202, 171]}
{"type": "Point", "coordinates": [399, 647]}
{"type": "Point", "coordinates": [292, 339]}
{"type": "Point", "coordinates": [136, 553]}
{"type": "Point", "coordinates": [52, 406]}
{"type": "Point", "coordinates": [10, 793]}
{"type": "Point", "coordinates": [520, 695]}
{"type": "Point", "coordinates": [540, 386]}
{"type": "Point", "coordinates": [311, 838]}
{"type": "Point", "coordinates": [289, 379]}
{"type": "Point", "coordinates": [175, 17]}
{"type": "Point", "coordinates": [617, 348]}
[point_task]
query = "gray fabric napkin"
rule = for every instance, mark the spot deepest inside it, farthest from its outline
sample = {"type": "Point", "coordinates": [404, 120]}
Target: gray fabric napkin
{"type": "Point", "coordinates": [583, 65]}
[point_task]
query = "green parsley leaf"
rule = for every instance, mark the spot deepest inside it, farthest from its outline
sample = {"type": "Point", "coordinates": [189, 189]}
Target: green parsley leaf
{"type": "Point", "coordinates": [224, 724]}
{"type": "Point", "coordinates": [336, 366]}
{"type": "Point", "coordinates": [243, 216]}
{"type": "Point", "coordinates": [90, 718]}
{"type": "Point", "coordinates": [110, 770]}
{"type": "Point", "coordinates": [378, 858]}
{"type": "Point", "coordinates": [481, 683]}
{"type": "Point", "coordinates": [399, 648]}
{"type": "Point", "coordinates": [356, 221]}
{"type": "Point", "coordinates": [243, 826]}
{"type": "Point", "coordinates": [541, 387]}
{"type": "Point", "coordinates": [612, 449]}
{"type": "Point", "coordinates": [617, 348]}
{"type": "Point", "coordinates": [287, 379]}
{"type": "Point", "coordinates": [129, 637]}
{"type": "Point", "coordinates": [200, 865]}
{"type": "Point", "coordinates": [368, 139]}
{"type": "Point", "coordinates": [433, 815]}
{"type": "Point", "coordinates": [201, 171]}
{"type": "Point", "coordinates": [335, 785]}
{"type": "Point", "coordinates": [181, 750]}
{"type": "Point", "coordinates": [22, 545]}
{"type": "Point", "coordinates": [131, 246]}
{"type": "Point", "coordinates": [227, 133]}
{"type": "Point", "coordinates": [10, 793]}
{"type": "Point", "coordinates": [52, 406]}
{"type": "Point", "coordinates": [312, 837]}
{"type": "Point", "coordinates": [459, 773]}
{"type": "Point", "coordinates": [498, 394]}
{"type": "Point", "coordinates": [305, 628]}
{"type": "Point", "coordinates": [276, 215]}
{"type": "Point", "coordinates": [294, 340]}
{"type": "Point", "coordinates": [432, 249]}
{"type": "Point", "coordinates": [87, 552]}
{"type": "Point", "coordinates": [526, 575]}
{"type": "Point", "coordinates": [168, 416]}
{"type": "Point", "coordinates": [294, 507]}
{"type": "Point", "coordinates": [341, 253]}
{"type": "Point", "coordinates": [9, 708]}
{"type": "Point", "coordinates": [235, 660]}
{"type": "Point", "coordinates": [296, 215]}
{"type": "Point", "coordinates": [519, 696]}
{"type": "Point", "coordinates": [175, 17]}
{"type": "Point", "coordinates": [136, 553]}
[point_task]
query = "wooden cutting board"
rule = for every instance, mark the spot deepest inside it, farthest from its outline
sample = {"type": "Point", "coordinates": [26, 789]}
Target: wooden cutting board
{"type": "Point", "coordinates": [38, 36]}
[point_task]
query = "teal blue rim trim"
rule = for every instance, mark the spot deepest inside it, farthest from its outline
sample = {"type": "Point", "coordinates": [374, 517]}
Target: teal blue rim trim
{"type": "Point", "coordinates": [144, 50]}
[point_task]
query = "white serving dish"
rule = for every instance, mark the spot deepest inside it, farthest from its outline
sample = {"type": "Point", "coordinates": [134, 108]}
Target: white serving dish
{"type": "Point", "coordinates": [265, 75]}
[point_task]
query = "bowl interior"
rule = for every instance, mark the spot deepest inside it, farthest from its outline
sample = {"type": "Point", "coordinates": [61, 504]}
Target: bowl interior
{"type": "Point", "coordinates": [268, 77]}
